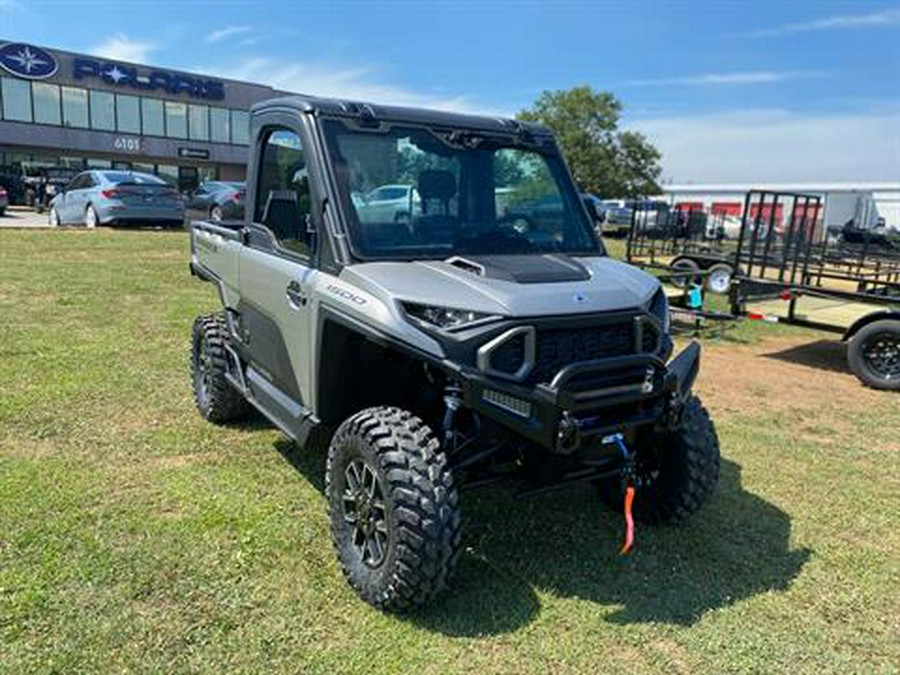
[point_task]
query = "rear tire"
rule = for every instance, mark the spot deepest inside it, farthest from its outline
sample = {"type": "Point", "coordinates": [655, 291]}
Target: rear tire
{"type": "Point", "coordinates": [215, 214]}
{"type": "Point", "coordinates": [90, 217]}
{"type": "Point", "coordinates": [394, 509]}
{"type": "Point", "coordinates": [216, 399]}
{"type": "Point", "coordinates": [679, 475]}
{"type": "Point", "coordinates": [874, 355]}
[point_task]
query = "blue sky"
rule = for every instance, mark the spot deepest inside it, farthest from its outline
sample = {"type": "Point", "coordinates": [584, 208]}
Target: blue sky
{"type": "Point", "coordinates": [730, 91]}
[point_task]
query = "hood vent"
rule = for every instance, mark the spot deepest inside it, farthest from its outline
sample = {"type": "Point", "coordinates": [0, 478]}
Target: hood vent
{"type": "Point", "coordinates": [523, 269]}
{"type": "Point", "coordinates": [466, 265]}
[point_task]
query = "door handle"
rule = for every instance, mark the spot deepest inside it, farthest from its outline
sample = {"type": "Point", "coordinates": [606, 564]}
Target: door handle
{"type": "Point", "coordinates": [295, 295]}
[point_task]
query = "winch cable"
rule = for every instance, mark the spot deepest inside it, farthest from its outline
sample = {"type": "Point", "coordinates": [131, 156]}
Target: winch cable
{"type": "Point", "coordinates": [627, 474]}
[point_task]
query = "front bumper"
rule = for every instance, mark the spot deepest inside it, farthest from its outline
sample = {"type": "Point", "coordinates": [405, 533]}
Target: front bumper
{"type": "Point", "coordinates": [587, 400]}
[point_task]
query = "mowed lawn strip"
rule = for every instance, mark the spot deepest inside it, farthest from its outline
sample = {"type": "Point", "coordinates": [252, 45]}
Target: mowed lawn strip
{"type": "Point", "coordinates": [136, 537]}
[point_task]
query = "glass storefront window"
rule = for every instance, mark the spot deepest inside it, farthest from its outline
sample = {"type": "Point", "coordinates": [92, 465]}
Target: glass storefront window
{"type": "Point", "coordinates": [16, 100]}
{"type": "Point", "coordinates": [75, 107]}
{"type": "Point", "coordinates": [97, 163]}
{"type": "Point", "coordinates": [103, 111]}
{"type": "Point", "coordinates": [128, 114]}
{"type": "Point", "coordinates": [198, 122]}
{"type": "Point", "coordinates": [142, 168]}
{"type": "Point", "coordinates": [176, 120]}
{"type": "Point", "coordinates": [219, 125]}
{"type": "Point", "coordinates": [152, 117]}
{"type": "Point", "coordinates": [168, 173]}
{"type": "Point", "coordinates": [46, 103]}
{"type": "Point", "coordinates": [240, 127]}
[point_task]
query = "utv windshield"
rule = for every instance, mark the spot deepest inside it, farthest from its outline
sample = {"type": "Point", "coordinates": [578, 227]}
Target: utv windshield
{"type": "Point", "coordinates": [412, 193]}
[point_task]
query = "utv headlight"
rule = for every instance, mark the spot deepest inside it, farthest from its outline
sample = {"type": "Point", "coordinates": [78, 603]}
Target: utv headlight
{"type": "Point", "coordinates": [659, 307]}
{"type": "Point", "coordinates": [444, 317]}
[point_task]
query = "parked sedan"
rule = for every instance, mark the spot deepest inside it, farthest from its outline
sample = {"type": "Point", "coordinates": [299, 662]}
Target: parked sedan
{"type": "Point", "coordinates": [216, 200]}
{"type": "Point", "coordinates": [388, 204]}
{"type": "Point", "coordinates": [111, 197]}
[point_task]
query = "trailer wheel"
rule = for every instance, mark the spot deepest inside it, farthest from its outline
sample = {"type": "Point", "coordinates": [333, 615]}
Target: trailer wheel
{"type": "Point", "coordinates": [394, 509]}
{"type": "Point", "coordinates": [686, 273]}
{"type": "Point", "coordinates": [718, 278]}
{"type": "Point", "coordinates": [874, 355]}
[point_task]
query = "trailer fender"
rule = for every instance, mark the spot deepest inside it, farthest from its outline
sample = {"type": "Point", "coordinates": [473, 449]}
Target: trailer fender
{"type": "Point", "coordinates": [867, 319]}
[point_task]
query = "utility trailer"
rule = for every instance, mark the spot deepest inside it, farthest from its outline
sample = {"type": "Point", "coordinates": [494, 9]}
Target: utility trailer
{"type": "Point", "coordinates": [792, 269]}
{"type": "Point", "coordinates": [689, 246]}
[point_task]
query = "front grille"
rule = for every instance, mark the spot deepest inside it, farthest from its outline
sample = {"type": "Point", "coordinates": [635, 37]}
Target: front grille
{"type": "Point", "coordinates": [554, 348]}
{"type": "Point", "coordinates": [558, 348]}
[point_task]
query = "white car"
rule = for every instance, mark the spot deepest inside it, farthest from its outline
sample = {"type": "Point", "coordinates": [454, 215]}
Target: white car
{"type": "Point", "coordinates": [388, 204]}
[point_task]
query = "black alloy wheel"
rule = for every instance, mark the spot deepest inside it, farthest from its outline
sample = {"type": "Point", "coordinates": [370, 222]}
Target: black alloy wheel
{"type": "Point", "coordinates": [365, 512]}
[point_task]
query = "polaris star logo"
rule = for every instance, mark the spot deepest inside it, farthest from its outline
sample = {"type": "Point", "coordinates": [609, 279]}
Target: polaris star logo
{"type": "Point", "coordinates": [27, 61]}
{"type": "Point", "coordinates": [579, 298]}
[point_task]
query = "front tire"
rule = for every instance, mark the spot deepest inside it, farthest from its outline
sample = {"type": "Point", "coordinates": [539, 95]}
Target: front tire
{"type": "Point", "coordinates": [54, 217]}
{"type": "Point", "coordinates": [394, 509]}
{"type": "Point", "coordinates": [216, 399]}
{"type": "Point", "coordinates": [874, 355]}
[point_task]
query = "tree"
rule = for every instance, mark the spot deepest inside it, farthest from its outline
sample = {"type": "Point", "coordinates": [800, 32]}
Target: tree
{"type": "Point", "coordinates": [603, 159]}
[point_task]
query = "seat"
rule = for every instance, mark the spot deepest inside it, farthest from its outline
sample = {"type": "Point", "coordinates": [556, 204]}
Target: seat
{"type": "Point", "coordinates": [282, 215]}
{"type": "Point", "coordinates": [436, 190]}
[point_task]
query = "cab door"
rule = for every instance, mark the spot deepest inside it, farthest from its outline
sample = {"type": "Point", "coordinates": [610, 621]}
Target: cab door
{"type": "Point", "coordinates": [276, 273]}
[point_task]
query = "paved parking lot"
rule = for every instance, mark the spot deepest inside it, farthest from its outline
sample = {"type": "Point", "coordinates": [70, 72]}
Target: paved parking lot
{"type": "Point", "coordinates": [21, 216]}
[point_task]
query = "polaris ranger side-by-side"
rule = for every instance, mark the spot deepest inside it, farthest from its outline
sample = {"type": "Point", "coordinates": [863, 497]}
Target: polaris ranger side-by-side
{"type": "Point", "coordinates": [430, 285]}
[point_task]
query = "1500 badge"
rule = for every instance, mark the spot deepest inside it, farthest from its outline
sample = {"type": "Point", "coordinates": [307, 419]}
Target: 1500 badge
{"type": "Point", "coordinates": [345, 294]}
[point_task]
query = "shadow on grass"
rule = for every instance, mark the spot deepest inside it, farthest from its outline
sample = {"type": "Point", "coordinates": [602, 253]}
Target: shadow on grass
{"type": "Point", "coordinates": [822, 354]}
{"type": "Point", "coordinates": [565, 543]}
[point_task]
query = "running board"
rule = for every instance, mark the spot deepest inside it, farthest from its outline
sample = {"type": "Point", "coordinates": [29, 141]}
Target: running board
{"type": "Point", "coordinates": [280, 409]}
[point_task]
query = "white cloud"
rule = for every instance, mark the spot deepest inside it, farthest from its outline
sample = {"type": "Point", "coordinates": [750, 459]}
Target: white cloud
{"type": "Point", "coordinates": [227, 32]}
{"type": "Point", "coordinates": [359, 83]}
{"type": "Point", "coordinates": [120, 47]}
{"type": "Point", "coordinates": [776, 145]}
{"type": "Point", "coordinates": [707, 79]}
{"type": "Point", "coordinates": [886, 17]}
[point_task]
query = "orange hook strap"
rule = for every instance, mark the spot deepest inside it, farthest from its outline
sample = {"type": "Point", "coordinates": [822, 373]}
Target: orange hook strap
{"type": "Point", "coordinates": [629, 520]}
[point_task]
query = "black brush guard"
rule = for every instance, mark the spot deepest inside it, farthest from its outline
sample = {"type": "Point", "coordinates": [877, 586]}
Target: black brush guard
{"type": "Point", "coordinates": [589, 399]}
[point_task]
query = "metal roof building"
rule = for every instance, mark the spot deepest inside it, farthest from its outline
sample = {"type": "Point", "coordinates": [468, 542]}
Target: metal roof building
{"type": "Point", "coordinates": [864, 203]}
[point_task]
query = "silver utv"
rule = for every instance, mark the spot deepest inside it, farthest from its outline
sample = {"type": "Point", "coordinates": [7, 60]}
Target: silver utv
{"type": "Point", "coordinates": [484, 336]}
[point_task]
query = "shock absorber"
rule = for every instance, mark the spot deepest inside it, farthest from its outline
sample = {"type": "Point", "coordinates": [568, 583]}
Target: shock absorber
{"type": "Point", "coordinates": [452, 403]}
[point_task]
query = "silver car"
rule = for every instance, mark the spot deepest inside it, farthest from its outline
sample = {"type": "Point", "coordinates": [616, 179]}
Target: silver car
{"type": "Point", "coordinates": [102, 197]}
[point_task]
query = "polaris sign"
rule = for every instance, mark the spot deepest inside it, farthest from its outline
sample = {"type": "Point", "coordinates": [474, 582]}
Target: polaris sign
{"type": "Point", "coordinates": [26, 61]}
{"type": "Point", "coordinates": [156, 80]}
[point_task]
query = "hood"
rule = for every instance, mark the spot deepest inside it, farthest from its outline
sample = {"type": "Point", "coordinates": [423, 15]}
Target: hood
{"type": "Point", "coordinates": [518, 286]}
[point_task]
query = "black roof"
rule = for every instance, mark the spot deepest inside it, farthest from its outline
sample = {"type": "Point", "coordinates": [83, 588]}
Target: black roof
{"type": "Point", "coordinates": [377, 112]}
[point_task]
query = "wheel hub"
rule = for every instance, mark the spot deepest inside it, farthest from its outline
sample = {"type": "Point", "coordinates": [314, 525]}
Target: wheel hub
{"type": "Point", "coordinates": [365, 512]}
{"type": "Point", "coordinates": [883, 356]}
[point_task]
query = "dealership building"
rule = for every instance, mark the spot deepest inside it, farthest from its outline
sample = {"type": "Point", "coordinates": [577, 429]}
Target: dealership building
{"type": "Point", "coordinates": [59, 108]}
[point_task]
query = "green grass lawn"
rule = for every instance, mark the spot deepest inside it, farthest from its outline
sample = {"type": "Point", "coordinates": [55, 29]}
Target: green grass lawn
{"type": "Point", "coordinates": [136, 537]}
